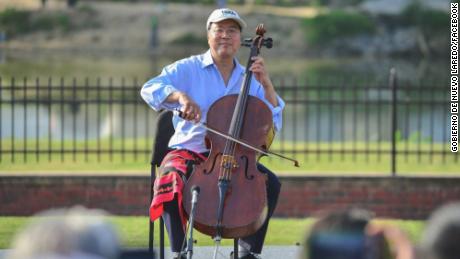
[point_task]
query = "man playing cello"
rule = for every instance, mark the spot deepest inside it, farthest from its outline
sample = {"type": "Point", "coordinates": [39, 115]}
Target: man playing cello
{"type": "Point", "coordinates": [192, 85]}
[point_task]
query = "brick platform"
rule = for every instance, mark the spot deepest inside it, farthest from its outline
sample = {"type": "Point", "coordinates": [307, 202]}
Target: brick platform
{"type": "Point", "coordinates": [393, 197]}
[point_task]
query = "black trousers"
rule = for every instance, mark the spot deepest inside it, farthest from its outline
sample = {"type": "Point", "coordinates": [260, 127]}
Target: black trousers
{"type": "Point", "coordinates": [253, 243]}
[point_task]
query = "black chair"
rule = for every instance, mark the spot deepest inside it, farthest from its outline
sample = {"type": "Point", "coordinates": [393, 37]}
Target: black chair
{"type": "Point", "coordinates": [164, 131]}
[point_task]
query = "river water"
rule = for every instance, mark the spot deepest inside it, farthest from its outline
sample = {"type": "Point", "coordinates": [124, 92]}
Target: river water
{"type": "Point", "coordinates": [87, 121]}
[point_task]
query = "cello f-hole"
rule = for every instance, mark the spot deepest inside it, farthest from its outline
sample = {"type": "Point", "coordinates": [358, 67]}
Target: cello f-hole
{"type": "Point", "coordinates": [246, 174]}
{"type": "Point", "coordinates": [206, 171]}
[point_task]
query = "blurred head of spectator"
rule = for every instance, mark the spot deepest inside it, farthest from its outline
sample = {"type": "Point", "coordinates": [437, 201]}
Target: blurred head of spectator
{"type": "Point", "coordinates": [441, 238]}
{"type": "Point", "coordinates": [350, 234]}
{"type": "Point", "coordinates": [67, 233]}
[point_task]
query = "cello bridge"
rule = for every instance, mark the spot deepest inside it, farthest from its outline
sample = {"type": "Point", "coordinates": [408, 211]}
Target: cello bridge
{"type": "Point", "coordinates": [228, 162]}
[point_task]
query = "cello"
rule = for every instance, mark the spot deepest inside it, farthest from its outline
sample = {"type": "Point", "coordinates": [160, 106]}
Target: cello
{"type": "Point", "coordinates": [235, 191]}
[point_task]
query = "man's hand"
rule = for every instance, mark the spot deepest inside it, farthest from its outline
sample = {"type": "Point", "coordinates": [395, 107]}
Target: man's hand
{"type": "Point", "coordinates": [259, 71]}
{"type": "Point", "coordinates": [189, 109]}
{"type": "Point", "coordinates": [261, 74]}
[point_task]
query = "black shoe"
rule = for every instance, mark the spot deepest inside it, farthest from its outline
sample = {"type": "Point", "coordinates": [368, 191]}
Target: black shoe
{"type": "Point", "coordinates": [182, 256]}
{"type": "Point", "coordinates": [248, 256]}
{"type": "Point", "coordinates": [251, 256]}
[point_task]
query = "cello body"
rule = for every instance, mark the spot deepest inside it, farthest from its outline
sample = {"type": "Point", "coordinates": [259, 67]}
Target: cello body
{"type": "Point", "coordinates": [245, 205]}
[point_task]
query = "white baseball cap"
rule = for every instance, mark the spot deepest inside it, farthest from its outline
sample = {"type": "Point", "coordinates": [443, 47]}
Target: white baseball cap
{"type": "Point", "coordinates": [224, 14]}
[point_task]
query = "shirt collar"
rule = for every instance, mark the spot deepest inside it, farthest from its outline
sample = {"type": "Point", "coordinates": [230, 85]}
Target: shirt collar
{"type": "Point", "coordinates": [207, 60]}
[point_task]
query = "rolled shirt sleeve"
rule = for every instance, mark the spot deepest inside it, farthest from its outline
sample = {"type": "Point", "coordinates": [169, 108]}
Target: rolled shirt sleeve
{"type": "Point", "coordinates": [156, 90]}
{"type": "Point", "coordinates": [277, 111]}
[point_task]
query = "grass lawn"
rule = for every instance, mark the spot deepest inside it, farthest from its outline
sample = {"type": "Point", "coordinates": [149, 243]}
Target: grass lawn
{"type": "Point", "coordinates": [335, 164]}
{"type": "Point", "coordinates": [134, 230]}
{"type": "Point", "coordinates": [314, 158]}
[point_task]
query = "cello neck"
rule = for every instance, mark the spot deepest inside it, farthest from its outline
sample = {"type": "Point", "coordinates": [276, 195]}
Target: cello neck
{"type": "Point", "coordinates": [240, 108]}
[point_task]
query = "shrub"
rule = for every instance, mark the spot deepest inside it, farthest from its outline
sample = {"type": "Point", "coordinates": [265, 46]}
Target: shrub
{"type": "Point", "coordinates": [327, 27]}
{"type": "Point", "coordinates": [190, 39]}
{"type": "Point", "coordinates": [50, 22]}
{"type": "Point", "coordinates": [14, 21]}
{"type": "Point", "coordinates": [430, 21]}
{"type": "Point", "coordinates": [86, 9]}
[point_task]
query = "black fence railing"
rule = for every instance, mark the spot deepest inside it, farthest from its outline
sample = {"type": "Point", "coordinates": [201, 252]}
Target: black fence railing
{"type": "Point", "coordinates": [98, 120]}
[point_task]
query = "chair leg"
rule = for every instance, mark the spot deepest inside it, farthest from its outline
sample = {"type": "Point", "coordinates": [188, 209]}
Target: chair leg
{"type": "Point", "coordinates": [235, 248]}
{"type": "Point", "coordinates": [162, 239]}
{"type": "Point", "coordinates": [151, 231]}
{"type": "Point", "coordinates": [151, 224]}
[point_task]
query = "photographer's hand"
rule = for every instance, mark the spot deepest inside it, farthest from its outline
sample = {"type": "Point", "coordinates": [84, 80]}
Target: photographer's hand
{"type": "Point", "coordinates": [400, 245]}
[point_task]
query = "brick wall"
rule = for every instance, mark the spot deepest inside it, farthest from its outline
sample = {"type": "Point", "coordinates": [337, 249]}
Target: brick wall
{"type": "Point", "coordinates": [393, 197]}
{"type": "Point", "coordinates": [398, 197]}
{"type": "Point", "coordinates": [117, 194]}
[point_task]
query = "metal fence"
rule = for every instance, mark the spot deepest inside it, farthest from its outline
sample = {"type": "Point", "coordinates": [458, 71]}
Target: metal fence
{"type": "Point", "coordinates": [95, 119]}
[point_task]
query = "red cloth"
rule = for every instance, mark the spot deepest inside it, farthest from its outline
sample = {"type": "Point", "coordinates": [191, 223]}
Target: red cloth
{"type": "Point", "coordinates": [173, 173]}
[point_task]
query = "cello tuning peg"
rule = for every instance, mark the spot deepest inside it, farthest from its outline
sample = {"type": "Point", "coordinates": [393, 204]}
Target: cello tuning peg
{"type": "Point", "coordinates": [246, 42]}
{"type": "Point", "coordinates": [268, 43]}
